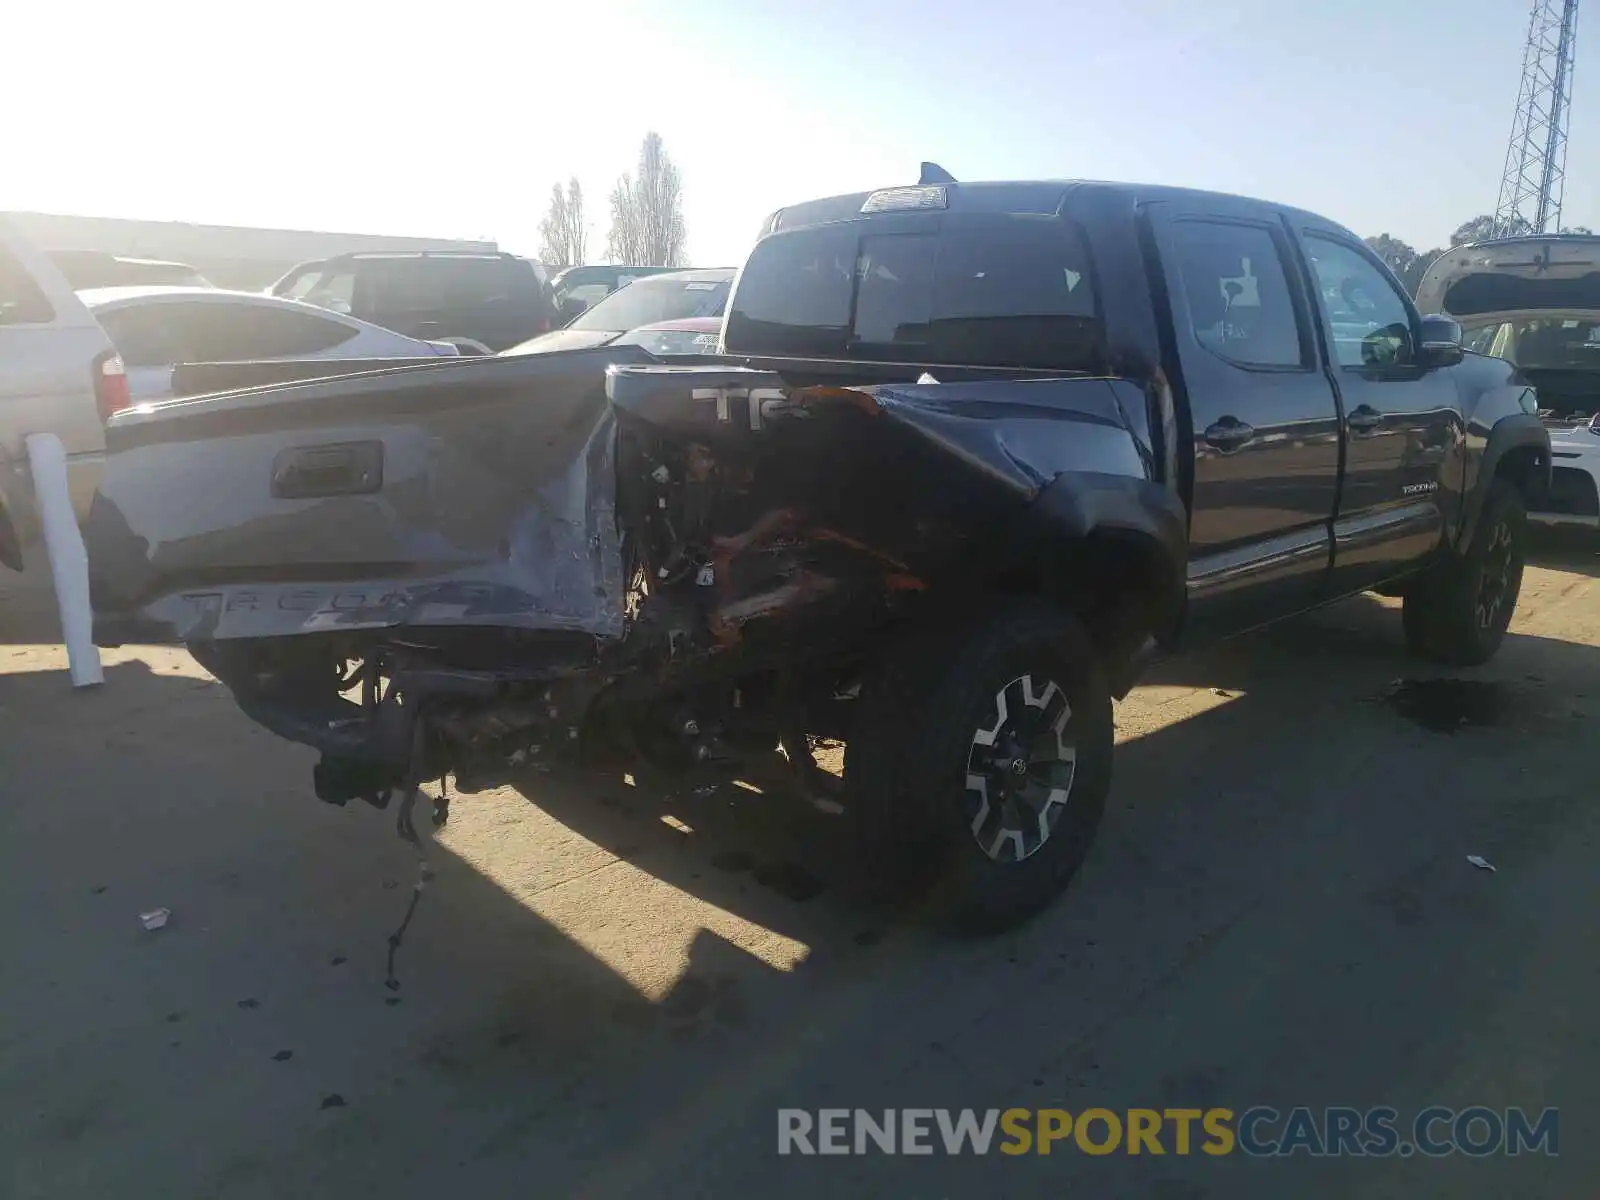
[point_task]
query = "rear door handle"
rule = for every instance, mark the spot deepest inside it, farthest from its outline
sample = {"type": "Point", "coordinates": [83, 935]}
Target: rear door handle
{"type": "Point", "coordinates": [1229, 433]}
{"type": "Point", "coordinates": [336, 469]}
{"type": "Point", "coordinates": [1364, 419]}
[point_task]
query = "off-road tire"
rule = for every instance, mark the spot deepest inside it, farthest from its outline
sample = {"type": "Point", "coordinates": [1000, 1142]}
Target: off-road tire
{"type": "Point", "coordinates": [1457, 613]}
{"type": "Point", "coordinates": [907, 763]}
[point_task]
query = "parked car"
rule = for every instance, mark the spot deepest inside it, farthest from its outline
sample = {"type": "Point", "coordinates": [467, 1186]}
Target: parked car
{"type": "Point", "coordinates": [97, 268]}
{"type": "Point", "coordinates": [670, 296]}
{"type": "Point", "coordinates": [156, 328]}
{"type": "Point", "coordinates": [989, 448]}
{"type": "Point", "coordinates": [480, 302]}
{"type": "Point", "coordinates": [59, 373]}
{"type": "Point", "coordinates": [1536, 302]}
{"type": "Point", "coordinates": [574, 289]}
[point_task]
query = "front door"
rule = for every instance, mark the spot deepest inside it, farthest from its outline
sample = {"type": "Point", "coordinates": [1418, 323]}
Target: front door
{"type": "Point", "coordinates": [1266, 423]}
{"type": "Point", "coordinates": [1401, 420]}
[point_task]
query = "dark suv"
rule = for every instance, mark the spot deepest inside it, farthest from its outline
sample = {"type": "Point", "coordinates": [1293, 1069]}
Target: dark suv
{"type": "Point", "coordinates": [481, 301]}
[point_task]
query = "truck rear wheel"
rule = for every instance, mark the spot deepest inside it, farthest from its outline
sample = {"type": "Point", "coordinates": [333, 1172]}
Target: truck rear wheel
{"type": "Point", "coordinates": [980, 762]}
{"type": "Point", "coordinates": [1459, 611]}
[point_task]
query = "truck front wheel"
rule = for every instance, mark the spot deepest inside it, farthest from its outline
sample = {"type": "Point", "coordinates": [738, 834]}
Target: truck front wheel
{"type": "Point", "coordinates": [980, 762]}
{"type": "Point", "coordinates": [1458, 612]}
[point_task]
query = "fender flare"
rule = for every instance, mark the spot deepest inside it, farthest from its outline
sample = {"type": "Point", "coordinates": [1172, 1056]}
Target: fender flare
{"type": "Point", "coordinates": [1515, 431]}
{"type": "Point", "coordinates": [1145, 517]}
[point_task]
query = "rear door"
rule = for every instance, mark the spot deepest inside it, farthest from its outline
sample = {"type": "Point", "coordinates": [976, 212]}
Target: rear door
{"type": "Point", "coordinates": [495, 301]}
{"type": "Point", "coordinates": [1401, 420]}
{"type": "Point", "coordinates": [1265, 417]}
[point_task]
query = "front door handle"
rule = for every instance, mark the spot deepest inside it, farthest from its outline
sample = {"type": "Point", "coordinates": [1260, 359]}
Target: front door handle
{"type": "Point", "coordinates": [1229, 433]}
{"type": "Point", "coordinates": [1364, 419]}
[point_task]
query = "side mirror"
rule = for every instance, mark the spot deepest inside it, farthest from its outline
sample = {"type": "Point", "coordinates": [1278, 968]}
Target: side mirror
{"type": "Point", "coordinates": [1441, 342]}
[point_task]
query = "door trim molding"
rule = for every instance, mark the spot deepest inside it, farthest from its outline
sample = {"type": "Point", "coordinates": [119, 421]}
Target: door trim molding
{"type": "Point", "coordinates": [1228, 567]}
{"type": "Point", "coordinates": [1350, 533]}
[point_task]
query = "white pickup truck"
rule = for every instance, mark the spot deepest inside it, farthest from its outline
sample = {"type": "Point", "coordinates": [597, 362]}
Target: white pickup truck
{"type": "Point", "coordinates": [60, 374]}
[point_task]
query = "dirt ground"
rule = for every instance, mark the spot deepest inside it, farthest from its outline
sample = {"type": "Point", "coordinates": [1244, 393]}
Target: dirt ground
{"type": "Point", "coordinates": [608, 993]}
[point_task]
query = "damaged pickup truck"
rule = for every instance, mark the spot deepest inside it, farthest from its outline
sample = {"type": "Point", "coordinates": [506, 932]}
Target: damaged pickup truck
{"type": "Point", "coordinates": [972, 456]}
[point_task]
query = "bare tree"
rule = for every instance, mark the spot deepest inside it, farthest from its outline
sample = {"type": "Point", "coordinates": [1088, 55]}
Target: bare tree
{"type": "Point", "coordinates": [562, 231]}
{"type": "Point", "coordinates": [647, 228]}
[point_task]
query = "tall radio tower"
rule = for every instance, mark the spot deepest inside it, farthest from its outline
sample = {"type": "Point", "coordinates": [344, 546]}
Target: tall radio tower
{"type": "Point", "coordinates": [1536, 159]}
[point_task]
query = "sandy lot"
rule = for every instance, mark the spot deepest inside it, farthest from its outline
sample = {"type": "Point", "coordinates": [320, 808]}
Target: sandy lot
{"type": "Point", "coordinates": [596, 1000]}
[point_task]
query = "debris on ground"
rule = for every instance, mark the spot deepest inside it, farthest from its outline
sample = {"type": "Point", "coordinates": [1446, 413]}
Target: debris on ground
{"type": "Point", "coordinates": [156, 918]}
{"type": "Point", "coordinates": [250, 1002]}
{"type": "Point", "coordinates": [332, 1100]}
{"type": "Point", "coordinates": [1483, 864]}
{"type": "Point", "coordinates": [407, 831]}
{"type": "Point", "coordinates": [1223, 692]}
{"type": "Point", "coordinates": [283, 1056]}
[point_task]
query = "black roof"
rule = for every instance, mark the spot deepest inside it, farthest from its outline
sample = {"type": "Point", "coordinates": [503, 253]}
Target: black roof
{"type": "Point", "coordinates": [1043, 197]}
{"type": "Point", "coordinates": [362, 255]}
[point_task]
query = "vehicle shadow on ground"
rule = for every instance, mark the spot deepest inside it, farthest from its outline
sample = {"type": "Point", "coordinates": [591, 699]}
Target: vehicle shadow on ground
{"type": "Point", "coordinates": [1310, 766]}
{"type": "Point", "coordinates": [781, 865]}
{"type": "Point", "coordinates": [1576, 551]}
{"type": "Point", "coordinates": [260, 1008]}
{"type": "Point", "coordinates": [511, 1047]}
{"type": "Point", "coordinates": [28, 613]}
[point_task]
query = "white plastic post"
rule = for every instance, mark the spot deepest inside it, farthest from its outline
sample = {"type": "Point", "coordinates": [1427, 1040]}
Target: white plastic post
{"type": "Point", "coordinates": [69, 562]}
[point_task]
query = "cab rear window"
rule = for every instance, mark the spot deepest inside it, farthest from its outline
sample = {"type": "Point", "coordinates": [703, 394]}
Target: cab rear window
{"type": "Point", "coordinates": [1002, 292]}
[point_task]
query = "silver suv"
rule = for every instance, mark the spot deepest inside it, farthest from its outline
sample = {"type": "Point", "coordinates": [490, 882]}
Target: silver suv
{"type": "Point", "coordinates": [60, 374]}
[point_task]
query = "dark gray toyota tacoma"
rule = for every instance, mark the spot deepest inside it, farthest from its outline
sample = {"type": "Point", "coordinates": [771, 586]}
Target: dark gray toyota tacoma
{"type": "Point", "coordinates": [973, 454]}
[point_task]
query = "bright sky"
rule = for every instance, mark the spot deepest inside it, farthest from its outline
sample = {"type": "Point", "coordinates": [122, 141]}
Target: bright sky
{"type": "Point", "coordinates": [453, 119]}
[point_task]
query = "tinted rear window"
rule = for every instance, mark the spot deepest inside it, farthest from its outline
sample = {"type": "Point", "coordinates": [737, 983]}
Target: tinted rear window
{"type": "Point", "coordinates": [1006, 292]}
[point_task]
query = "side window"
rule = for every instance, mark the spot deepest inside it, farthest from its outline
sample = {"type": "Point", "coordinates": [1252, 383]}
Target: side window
{"type": "Point", "coordinates": [1237, 290]}
{"type": "Point", "coordinates": [277, 334]}
{"type": "Point", "coordinates": [21, 301]}
{"type": "Point", "coordinates": [333, 290]}
{"type": "Point", "coordinates": [141, 334]}
{"type": "Point", "coordinates": [438, 285]}
{"type": "Point", "coordinates": [1369, 322]}
{"type": "Point", "coordinates": [589, 293]}
{"type": "Point", "coordinates": [242, 332]}
{"type": "Point", "coordinates": [1482, 339]}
